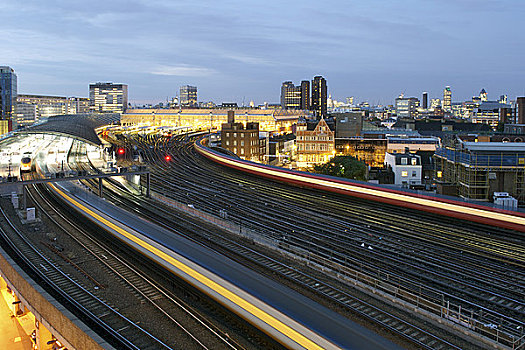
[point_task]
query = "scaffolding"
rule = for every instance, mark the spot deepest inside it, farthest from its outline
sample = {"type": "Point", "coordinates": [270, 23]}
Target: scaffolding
{"type": "Point", "coordinates": [479, 174]}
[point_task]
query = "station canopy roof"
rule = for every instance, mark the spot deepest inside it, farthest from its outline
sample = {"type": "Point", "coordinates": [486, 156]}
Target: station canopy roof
{"type": "Point", "coordinates": [81, 126]}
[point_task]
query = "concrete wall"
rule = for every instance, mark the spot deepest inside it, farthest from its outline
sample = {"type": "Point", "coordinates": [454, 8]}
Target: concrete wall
{"type": "Point", "coordinates": [65, 326]}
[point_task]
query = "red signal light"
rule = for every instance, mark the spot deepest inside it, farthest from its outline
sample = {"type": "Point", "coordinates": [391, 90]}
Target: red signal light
{"type": "Point", "coordinates": [167, 158]}
{"type": "Point", "coordinates": [121, 151]}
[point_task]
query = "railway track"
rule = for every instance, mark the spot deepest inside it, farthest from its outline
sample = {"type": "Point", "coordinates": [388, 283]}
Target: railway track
{"type": "Point", "coordinates": [210, 335]}
{"type": "Point", "coordinates": [496, 292]}
{"type": "Point", "coordinates": [209, 237]}
{"type": "Point", "coordinates": [141, 285]}
{"type": "Point", "coordinates": [121, 331]}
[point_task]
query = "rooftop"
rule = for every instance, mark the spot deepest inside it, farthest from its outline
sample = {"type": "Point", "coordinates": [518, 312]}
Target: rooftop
{"type": "Point", "coordinates": [495, 146]}
{"type": "Point", "coordinates": [81, 126]}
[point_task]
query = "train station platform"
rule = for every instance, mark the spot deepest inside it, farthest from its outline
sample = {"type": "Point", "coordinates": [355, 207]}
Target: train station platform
{"type": "Point", "coordinates": [15, 330]}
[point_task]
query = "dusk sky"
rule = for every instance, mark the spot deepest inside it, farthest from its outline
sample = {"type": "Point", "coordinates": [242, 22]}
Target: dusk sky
{"type": "Point", "coordinates": [234, 50]}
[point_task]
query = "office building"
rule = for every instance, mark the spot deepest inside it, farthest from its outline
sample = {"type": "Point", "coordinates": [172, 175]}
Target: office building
{"type": "Point", "coordinates": [447, 99]}
{"type": "Point", "coordinates": [435, 103]}
{"type": "Point", "coordinates": [348, 124]}
{"type": "Point", "coordinates": [369, 150]}
{"type": "Point", "coordinates": [425, 100]}
{"type": "Point", "coordinates": [291, 96]}
{"type": "Point", "coordinates": [305, 95]}
{"type": "Point", "coordinates": [108, 97]}
{"type": "Point", "coordinates": [483, 95]}
{"type": "Point", "coordinates": [406, 107]}
{"type": "Point", "coordinates": [31, 108]}
{"type": "Point", "coordinates": [490, 113]}
{"type": "Point", "coordinates": [401, 144]}
{"type": "Point", "coordinates": [319, 96]}
{"type": "Point", "coordinates": [8, 92]}
{"type": "Point", "coordinates": [520, 110]}
{"type": "Point", "coordinates": [188, 96]}
{"type": "Point", "coordinates": [77, 105]}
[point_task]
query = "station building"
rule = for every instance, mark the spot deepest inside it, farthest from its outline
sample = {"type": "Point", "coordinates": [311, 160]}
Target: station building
{"type": "Point", "coordinates": [212, 118]}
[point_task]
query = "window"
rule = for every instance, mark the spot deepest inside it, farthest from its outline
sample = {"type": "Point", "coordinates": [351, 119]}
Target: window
{"type": "Point", "coordinates": [439, 174]}
{"type": "Point", "coordinates": [227, 143]}
{"type": "Point", "coordinates": [404, 161]}
{"type": "Point", "coordinates": [414, 173]}
{"type": "Point", "coordinates": [404, 173]}
{"type": "Point", "coordinates": [242, 142]}
{"type": "Point", "coordinates": [414, 161]}
{"type": "Point", "coordinates": [235, 142]}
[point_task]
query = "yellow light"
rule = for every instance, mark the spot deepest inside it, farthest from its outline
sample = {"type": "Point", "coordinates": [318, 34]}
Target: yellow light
{"type": "Point", "coordinates": [439, 174]}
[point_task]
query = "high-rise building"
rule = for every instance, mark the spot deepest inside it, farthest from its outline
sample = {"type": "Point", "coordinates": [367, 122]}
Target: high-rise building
{"type": "Point", "coordinates": [108, 97]}
{"type": "Point", "coordinates": [188, 96]}
{"type": "Point", "coordinates": [435, 103]}
{"type": "Point", "coordinates": [319, 96]}
{"type": "Point", "coordinates": [425, 100]}
{"type": "Point", "coordinates": [447, 99]}
{"type": "Point", "coordinates": [406, 107]}
{"type": "Point", "coordinates": [305, 95]}
{"type": "Point", "coordinates": [290, 96]}
{"type": "Point", "coordinates": [483, 95]}
{"type": "Point", "coordinates": [520, 110]}
{"type": "Point", "coordinates": [8, 92]}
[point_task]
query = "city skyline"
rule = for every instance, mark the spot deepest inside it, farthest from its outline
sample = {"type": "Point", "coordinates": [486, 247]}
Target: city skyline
{"type": "Point", "coordinates": [233, 52]}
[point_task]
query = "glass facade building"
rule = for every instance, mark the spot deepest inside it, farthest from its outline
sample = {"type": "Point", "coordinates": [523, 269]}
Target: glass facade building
{"type": "Point", "coordinates": [8, 92]}
{"type": "Point", "coordinates": [188, 96]}
{"type": "Point", "coordinates": [108, 97]}
{"type": "Point", "coordinates": [319, 96]}
{"type": "Point", "coordinates": [290, 96]}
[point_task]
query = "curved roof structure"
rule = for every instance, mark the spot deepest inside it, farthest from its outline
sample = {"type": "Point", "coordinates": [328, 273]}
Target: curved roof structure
{"type": "Point", "coordinates": [81, 126]}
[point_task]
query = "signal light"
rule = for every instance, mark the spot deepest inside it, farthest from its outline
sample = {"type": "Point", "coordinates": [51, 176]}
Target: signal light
{"type": "Point", "coordinates": [121, 151]}
{"type": "Point", "coordinates": [167, 158]}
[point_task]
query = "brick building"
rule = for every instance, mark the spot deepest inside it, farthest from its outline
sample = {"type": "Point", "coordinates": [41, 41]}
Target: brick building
{"type": "Point", "coordinates": [240, 139]}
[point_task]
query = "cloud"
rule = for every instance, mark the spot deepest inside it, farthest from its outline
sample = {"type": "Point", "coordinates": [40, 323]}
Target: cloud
{"type": "Point", "coordinates": [183, 71]}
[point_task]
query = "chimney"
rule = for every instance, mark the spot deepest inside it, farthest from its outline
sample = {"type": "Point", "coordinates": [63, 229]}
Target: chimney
{"type": "Point", "coordinates": [231, 116]}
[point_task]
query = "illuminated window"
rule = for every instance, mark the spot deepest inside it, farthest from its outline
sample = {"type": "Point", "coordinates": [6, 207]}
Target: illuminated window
{"type": "Point", "coordinates": [404, 173]}
{"type": "Point", "coordinates": [439, 174]}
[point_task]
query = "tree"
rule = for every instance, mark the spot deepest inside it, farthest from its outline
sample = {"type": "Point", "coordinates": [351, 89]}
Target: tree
{"type": "Point", "coordinates": [343, 166]}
